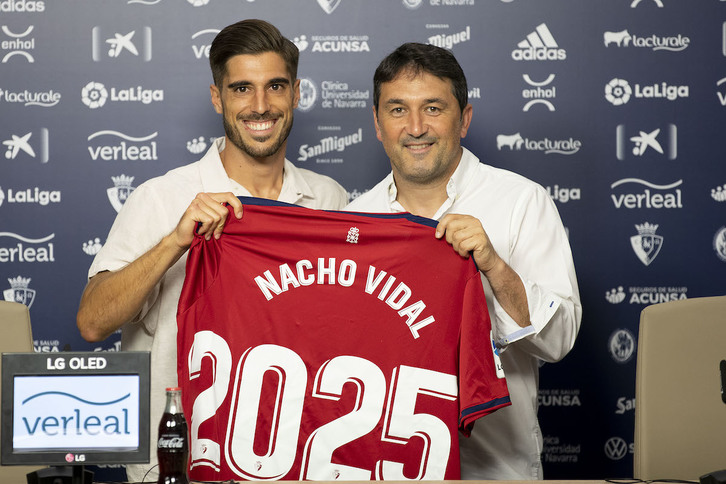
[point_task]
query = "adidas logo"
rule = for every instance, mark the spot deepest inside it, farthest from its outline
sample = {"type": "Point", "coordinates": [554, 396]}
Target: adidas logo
{"type": "Point", "coordinates": [539, 45]}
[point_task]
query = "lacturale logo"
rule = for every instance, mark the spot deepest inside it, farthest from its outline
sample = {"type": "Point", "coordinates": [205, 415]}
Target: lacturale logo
{"type": "Point", "coordinates": [539, 45]}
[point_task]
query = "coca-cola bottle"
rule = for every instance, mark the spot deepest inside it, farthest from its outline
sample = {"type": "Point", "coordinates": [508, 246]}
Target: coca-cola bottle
{"type": "Point", "coordinates": [172, 448]}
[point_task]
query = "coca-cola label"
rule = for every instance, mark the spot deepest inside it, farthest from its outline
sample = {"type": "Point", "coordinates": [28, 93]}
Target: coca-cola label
{"type": "Point", "coordinates": [170, 443]}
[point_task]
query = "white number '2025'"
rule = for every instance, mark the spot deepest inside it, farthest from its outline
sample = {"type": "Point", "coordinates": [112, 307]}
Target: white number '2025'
{"type": "Point", "coordinates": [400, 422]}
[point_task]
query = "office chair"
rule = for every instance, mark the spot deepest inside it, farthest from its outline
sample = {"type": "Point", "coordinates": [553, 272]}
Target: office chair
{"type": "Point", "coordinates": [16, 336]}
{"type": "Point", "coordinates": [680, 417]}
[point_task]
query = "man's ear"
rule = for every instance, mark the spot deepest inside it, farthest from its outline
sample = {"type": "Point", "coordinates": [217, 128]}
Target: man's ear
{"type": "Point", "coordinates": [466, 116]}
{"type": "Point", "coordinates": [295, 93]}
{"type": "Point", "coordinates": [375, 123]}
{"type": "Point", "coordinates": [216, 98]}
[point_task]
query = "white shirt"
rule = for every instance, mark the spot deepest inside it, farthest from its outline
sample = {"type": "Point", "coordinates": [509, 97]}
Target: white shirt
{"type": "Point", "coordinates": [525, 229]}
{"type": "Point", "coordinates": [150, 213]}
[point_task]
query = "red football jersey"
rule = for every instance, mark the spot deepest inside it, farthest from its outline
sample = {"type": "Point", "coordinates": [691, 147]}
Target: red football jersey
{"type": "Point", "coordinates": [332, 346]}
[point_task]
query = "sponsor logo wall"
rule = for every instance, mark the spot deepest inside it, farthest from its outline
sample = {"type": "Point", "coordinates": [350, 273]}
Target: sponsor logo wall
{"type": "Point", "coordinates": [617, 109]}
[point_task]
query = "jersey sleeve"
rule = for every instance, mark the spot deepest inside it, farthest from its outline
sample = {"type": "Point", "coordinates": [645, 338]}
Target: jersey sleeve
{"type": "Point", "coordinates": [482, 385]}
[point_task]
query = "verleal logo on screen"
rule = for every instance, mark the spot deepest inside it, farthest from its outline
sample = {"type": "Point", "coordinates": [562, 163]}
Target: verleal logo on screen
{"type": "Point", "coordinates": [75, 411]}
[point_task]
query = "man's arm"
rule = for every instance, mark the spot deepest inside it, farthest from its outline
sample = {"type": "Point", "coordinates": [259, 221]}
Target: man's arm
{"type": "Point", "coordinates": [113, 298]}
{"type": "Point", "coordinates": [466, 235]}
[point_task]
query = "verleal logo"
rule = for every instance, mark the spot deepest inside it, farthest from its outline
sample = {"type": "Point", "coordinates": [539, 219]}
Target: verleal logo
{"type": "Point", "coordinates": [621, 345]}
{"type": "Point", "coordinates": [308, 94]}
{"type": "Point", "coordinates": [94, 95]}
{"type": "Point", "coordinates": [121, 190]}
{"type": "Point", "coordinates": [20, 291]}
{"type": "Point", "coordinates": [721, 91]}
{"type": "Point", "coordinates": [128, 149]}
{"type": "Point", "coordinates": [201, 50]}
{"type": "Point", "coordinates": [198, 3]}
{"type": "Point", "coordinates": [412, 4]}
{"type": "Point", "coordinates": [328, 5]}
{"type": "Point", "coordinates": [652, 196]}
{"type": "Point", "coordinates": [18, 144]}
{"type": "Point", "coordinates": [121, 45]}
{"type": "Point", "coordinates": [25, 249]}
{"type": "Point", "coordinates": [18, 45]}
{"type": "Point", "coordinates": [539, 45]}
{"type": "Point", "coordinates": [646, 244]}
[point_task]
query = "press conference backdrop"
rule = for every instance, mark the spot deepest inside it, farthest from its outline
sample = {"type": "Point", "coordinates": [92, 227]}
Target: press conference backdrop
{"type": "Point", "coordinates": [617, 107]}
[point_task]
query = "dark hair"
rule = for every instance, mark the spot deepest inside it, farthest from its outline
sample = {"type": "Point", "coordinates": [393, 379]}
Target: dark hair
{"type": "Point", "coordinates": [416, 58]}
{"type": "Point", "coordinates": [252, 37]}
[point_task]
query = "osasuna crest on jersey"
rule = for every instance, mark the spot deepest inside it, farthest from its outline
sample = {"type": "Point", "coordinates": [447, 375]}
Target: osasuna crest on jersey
{"type": "Point", "coordinates": [646, 244]}
{"type": "Point", "coordinates": [332, 346]}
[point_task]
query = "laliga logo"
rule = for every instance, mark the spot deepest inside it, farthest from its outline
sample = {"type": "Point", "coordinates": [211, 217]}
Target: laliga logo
{"type": "Point", "coordinates": [618, 92]}
{"type": "Point", "coordinates": [94, 95]}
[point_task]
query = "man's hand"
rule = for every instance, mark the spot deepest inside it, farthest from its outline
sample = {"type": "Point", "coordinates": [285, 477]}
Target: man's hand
{"type": "Point", "coordinates": [209, 212]}
{"type": "Point", "coordinates": [466, 235]}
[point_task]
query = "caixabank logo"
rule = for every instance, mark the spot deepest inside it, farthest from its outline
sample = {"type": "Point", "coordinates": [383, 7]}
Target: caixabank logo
{"type": "Point", "coordinates": [32, 145]}
{"type": "Point", "coordinates": [651, 142]}
{"type": "Point", "coordinates": [112, 45]}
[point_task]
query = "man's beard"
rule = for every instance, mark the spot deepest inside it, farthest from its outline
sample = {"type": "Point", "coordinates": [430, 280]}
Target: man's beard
{"type": "Point", "coordinates": [234, 136]}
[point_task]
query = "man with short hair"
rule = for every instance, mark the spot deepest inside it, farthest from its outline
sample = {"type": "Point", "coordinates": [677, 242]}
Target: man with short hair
{"type": "Point", "coordinates": [136, 279]}
{"type": "Point", "coordinates": [507, 223]}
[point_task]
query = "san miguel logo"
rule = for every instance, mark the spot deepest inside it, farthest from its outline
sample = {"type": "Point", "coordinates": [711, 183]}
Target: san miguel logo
{"type": "Point", "coordinates": [646, 244]}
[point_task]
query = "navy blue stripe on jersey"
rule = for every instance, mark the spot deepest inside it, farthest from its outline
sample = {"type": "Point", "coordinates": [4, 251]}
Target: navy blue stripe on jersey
{"type": "Point", "coordinates": [391, 216]}
{"type": "Point", "coordinates": [485, 406]}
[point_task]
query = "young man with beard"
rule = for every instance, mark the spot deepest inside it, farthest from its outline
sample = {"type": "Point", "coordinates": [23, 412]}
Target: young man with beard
{"type": "Point", "coordinates": [506, 222]}
{"type": "Point", "coordinates": [136, 278]}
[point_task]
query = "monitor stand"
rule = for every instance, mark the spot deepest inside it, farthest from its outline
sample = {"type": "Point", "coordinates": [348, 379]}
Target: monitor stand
{"type": "Point", "coordinates": [61, 475]}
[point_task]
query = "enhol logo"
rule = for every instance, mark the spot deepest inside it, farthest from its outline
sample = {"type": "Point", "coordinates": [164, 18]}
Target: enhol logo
{"type": "Point", "coordinates": [547, 146]}
{"type": "Point", "coordinates": [123, 151]}
{"type": "Point", "coordinates": [19, 45]}
{"type": "Point", "coordinates": [45, 99]}
{"type": "Point", "coordinates": [201, 49]}
{"type": "Point", "coordinates": [646, 199]}
{"type": "Point", "coordinates": [540, 93]}
{"type": "Point", "coordinates": [27, 250]}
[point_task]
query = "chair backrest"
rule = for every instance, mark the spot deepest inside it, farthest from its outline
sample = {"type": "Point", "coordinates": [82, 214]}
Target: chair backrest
{"type": "Point", "coordinates": [680, 418]}
{"type": "Point", "coordinates": [16, 336]}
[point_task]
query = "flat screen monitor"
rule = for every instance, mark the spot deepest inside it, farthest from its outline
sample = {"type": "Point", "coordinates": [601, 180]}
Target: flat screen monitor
{"type": "Point", "coordinates": [75, 408]}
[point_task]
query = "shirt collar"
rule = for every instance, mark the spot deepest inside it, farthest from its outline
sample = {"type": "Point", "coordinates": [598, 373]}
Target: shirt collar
{"type": "Point", "coordinates": [454, 188]}
{"type": "Point", "coordinates": [215, 178]}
